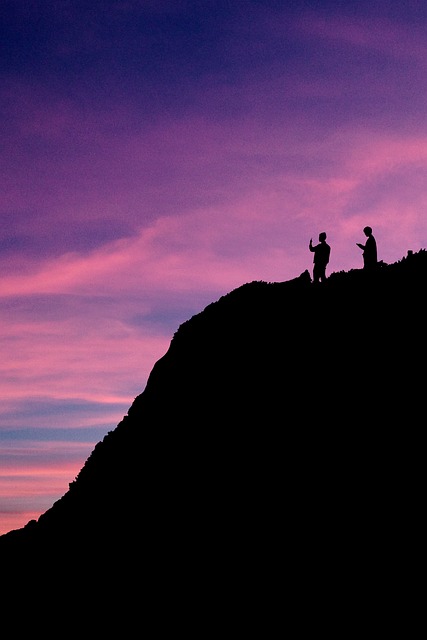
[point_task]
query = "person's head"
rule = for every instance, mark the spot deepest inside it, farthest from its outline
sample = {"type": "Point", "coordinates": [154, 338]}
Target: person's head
{"type": "Point", "coordinates": [322, 236]}
{"type": "Point", "coordinates": [367, 231]}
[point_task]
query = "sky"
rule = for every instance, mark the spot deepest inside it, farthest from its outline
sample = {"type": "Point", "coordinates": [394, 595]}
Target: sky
{"type": "Point", "coordinates": [157, 154]}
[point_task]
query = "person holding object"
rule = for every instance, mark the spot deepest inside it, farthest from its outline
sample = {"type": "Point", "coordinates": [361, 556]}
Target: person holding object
{"type": "Point", "coordinates": [321, 251]}
{"type": "Point", "coordinates": [370, 258]}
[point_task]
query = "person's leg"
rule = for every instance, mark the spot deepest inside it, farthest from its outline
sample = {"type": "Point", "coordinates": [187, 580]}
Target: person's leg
{"type": "Point", "coordinates": [316, 274]}
{"type": "Point", "coordinates": [319, 274]}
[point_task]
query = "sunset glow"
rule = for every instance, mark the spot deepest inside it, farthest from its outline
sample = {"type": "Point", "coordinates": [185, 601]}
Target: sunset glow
{"type": "Point", "coordinates": [157, 155]}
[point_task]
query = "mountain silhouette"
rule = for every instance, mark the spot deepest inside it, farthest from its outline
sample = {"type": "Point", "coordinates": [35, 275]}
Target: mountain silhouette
{"type": "Point", "coordinates": [273, 457]}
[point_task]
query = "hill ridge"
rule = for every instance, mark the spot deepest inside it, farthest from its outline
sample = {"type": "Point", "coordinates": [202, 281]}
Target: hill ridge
{"type": "Point", "coordinates": [252, 298]}
{"type": "Point", "coordinates": [279, 407]}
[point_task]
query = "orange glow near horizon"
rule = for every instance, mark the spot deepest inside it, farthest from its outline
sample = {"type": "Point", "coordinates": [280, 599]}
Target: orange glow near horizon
{"type": "Point", "coordinates": [39, 482]}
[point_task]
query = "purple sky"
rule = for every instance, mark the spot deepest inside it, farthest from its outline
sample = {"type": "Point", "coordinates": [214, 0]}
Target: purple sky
{"type": "Point", "coordinates": [156, 154]}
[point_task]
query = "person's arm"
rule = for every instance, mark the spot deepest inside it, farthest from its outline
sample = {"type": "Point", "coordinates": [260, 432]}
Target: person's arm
{"type": "Point", "coordinates": [362, 246]}
{"type": "Point", "coordinates": [310, 246]}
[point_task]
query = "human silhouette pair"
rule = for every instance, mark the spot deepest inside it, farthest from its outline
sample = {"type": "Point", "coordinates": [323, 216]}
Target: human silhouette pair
{"type": "Point", "coordinates": [322, 252]}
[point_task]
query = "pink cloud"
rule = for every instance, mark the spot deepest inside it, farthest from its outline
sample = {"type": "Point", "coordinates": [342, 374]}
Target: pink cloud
{"type": "Point", "coordinates": [205, 247]}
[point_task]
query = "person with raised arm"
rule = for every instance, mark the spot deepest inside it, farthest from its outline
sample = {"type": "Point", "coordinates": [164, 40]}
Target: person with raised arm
{"type": "Point", "coordinates": [322, 252]}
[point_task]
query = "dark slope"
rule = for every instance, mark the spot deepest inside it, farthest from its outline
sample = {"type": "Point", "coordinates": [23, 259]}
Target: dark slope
{"type": "Point", "coordinates": [278, 439]}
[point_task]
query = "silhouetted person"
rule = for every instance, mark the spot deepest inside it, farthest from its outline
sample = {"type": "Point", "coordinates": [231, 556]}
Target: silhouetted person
{"type": "Point", "coordinates": [321, 252]}
{"type": "Point", "coordinates": [370, 260]}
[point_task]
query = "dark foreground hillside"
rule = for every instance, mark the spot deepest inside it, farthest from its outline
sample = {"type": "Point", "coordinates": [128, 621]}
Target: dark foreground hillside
{"type": "Point", "coordinates": [274, 460]}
